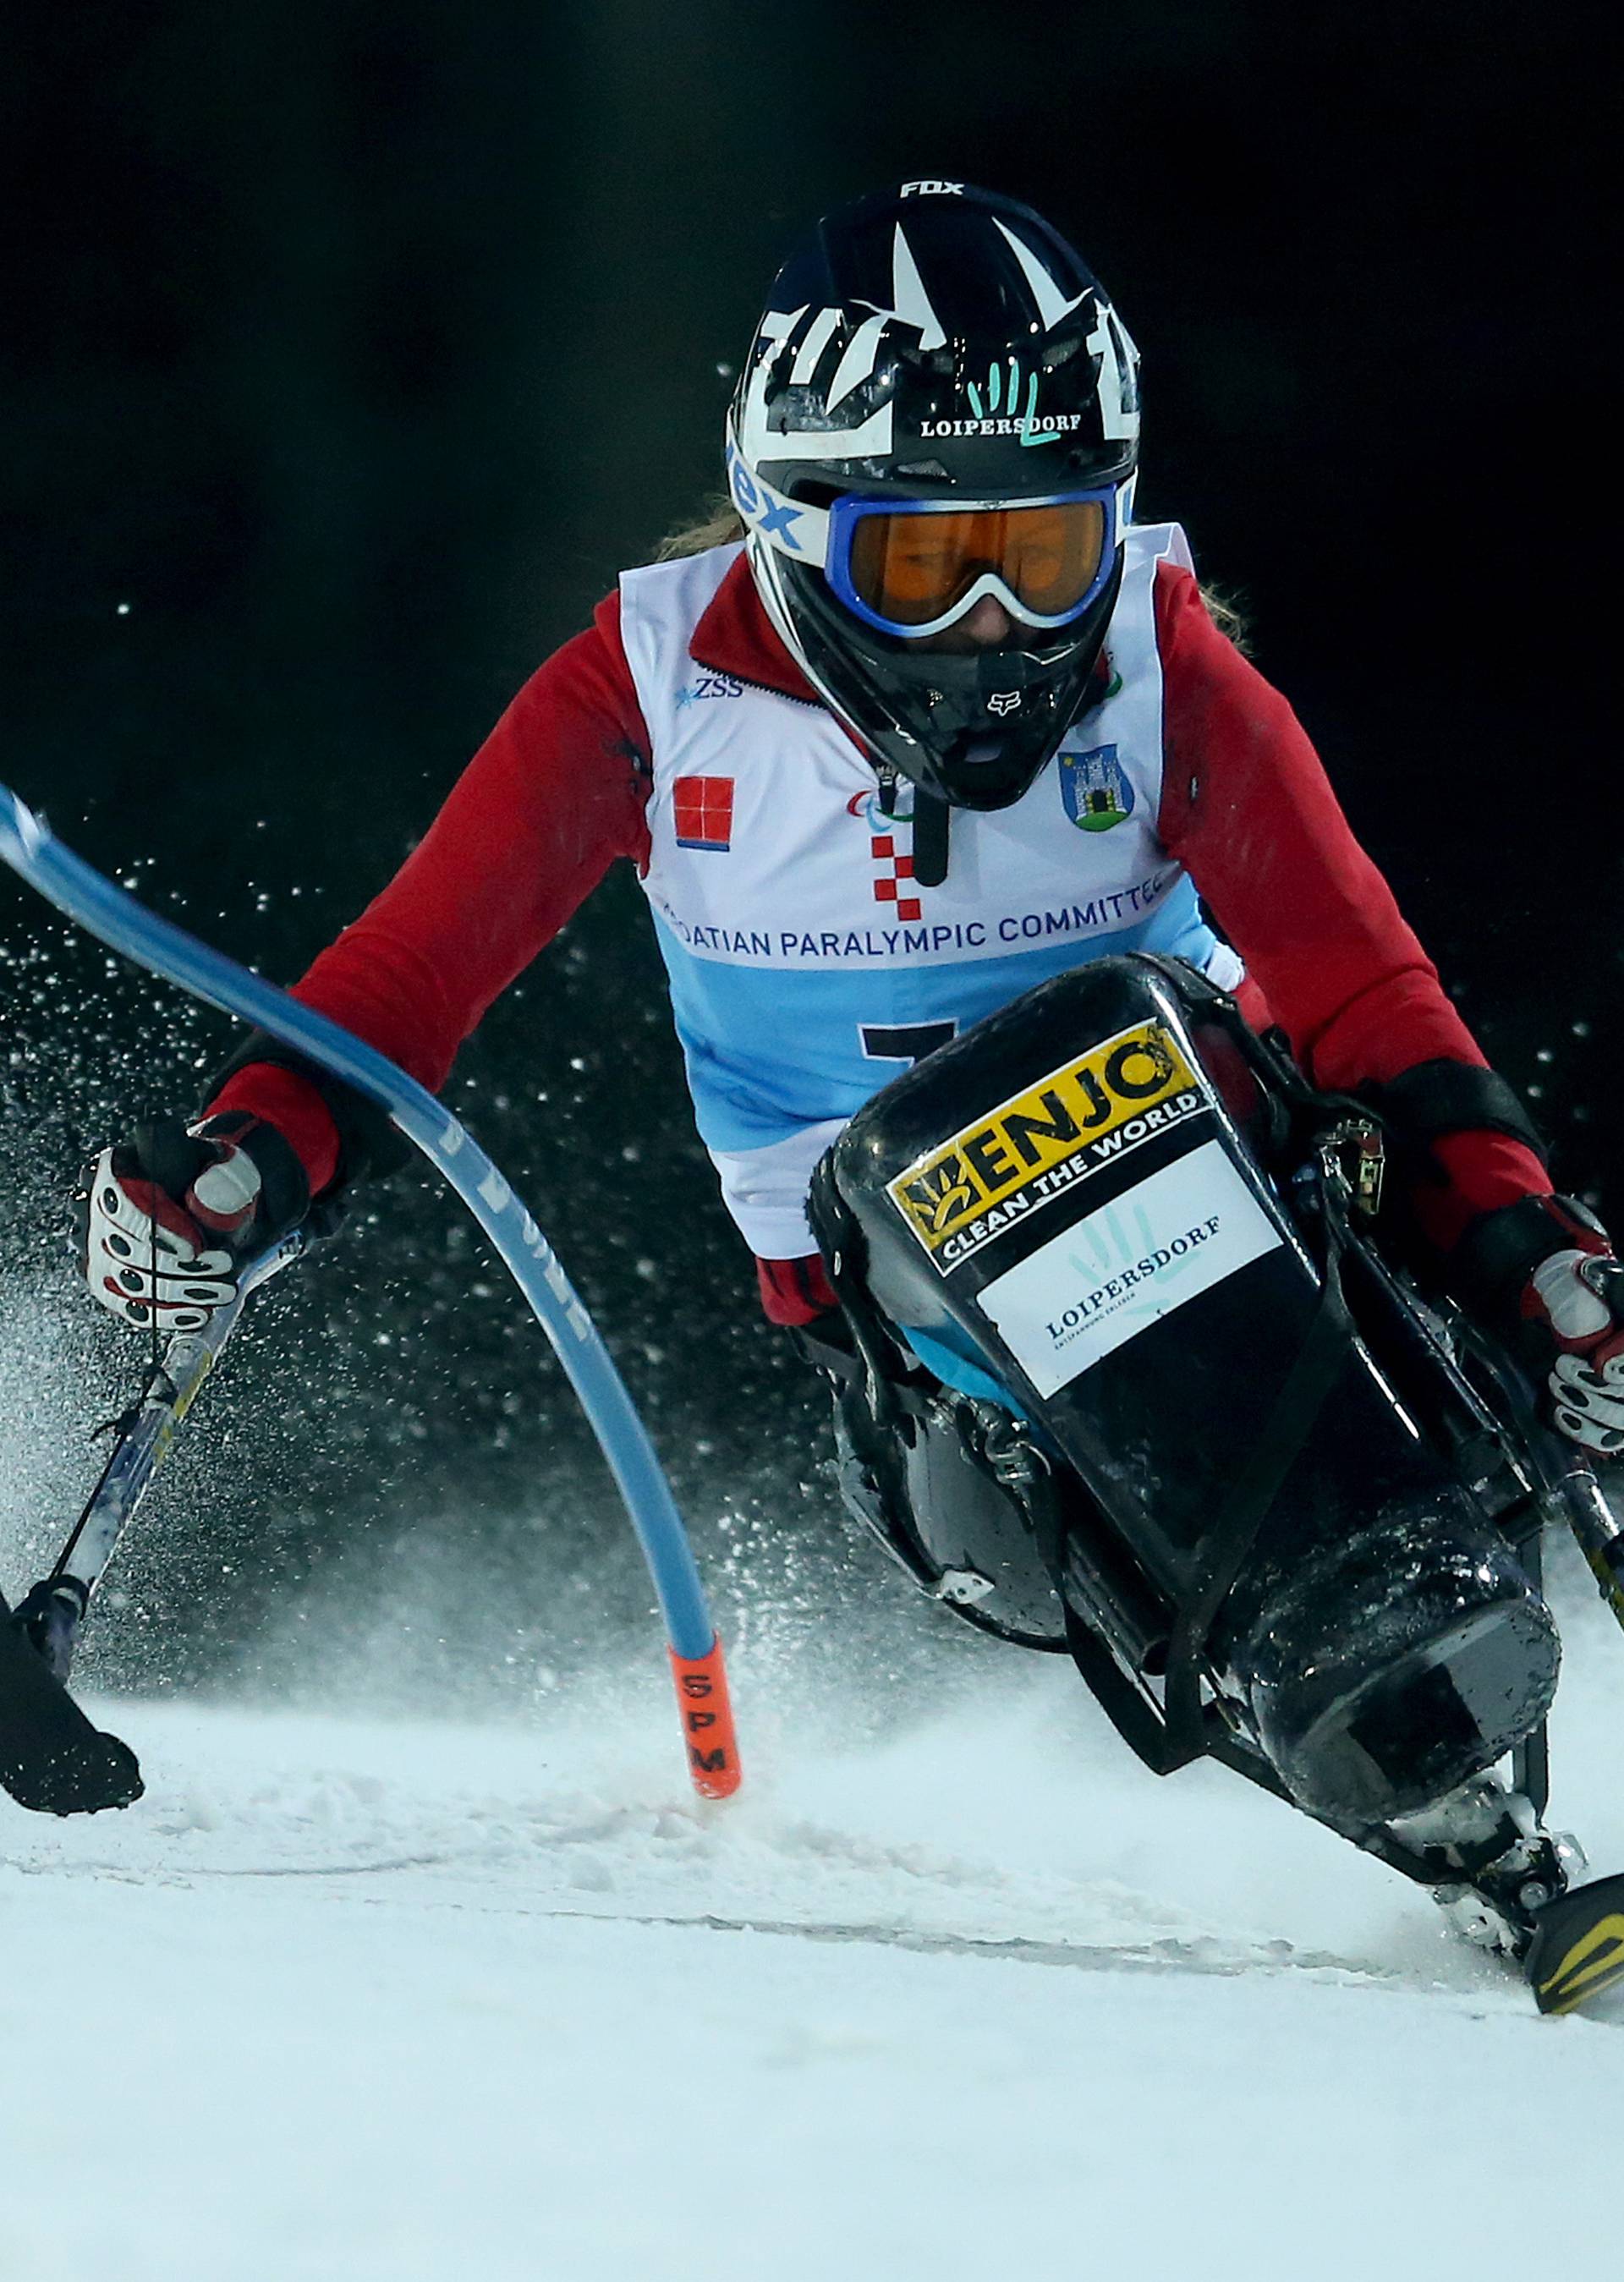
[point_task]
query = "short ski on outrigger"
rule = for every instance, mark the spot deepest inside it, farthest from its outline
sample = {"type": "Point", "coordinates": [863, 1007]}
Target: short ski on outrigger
{"type": "Point", "coordinates": [52, 1758]}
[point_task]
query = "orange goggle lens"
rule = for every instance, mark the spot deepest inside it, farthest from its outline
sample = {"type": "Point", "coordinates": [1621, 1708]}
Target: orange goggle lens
{"type": "Point", "coordinates": [912, 569]}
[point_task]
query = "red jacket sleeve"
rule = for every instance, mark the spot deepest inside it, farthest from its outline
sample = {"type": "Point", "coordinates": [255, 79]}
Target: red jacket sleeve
{"type": "Point", "coordinates": [1248, 811]}
{"type": "Point", "coordinates": [553, 796]}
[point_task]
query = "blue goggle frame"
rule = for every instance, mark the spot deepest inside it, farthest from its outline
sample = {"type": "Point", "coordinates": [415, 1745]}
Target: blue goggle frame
{"type": "Point", "coordinates": [824, 536]}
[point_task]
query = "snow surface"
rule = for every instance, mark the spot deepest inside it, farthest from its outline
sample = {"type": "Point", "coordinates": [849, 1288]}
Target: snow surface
{"type": "Point", "coordinates": [345, 1998]}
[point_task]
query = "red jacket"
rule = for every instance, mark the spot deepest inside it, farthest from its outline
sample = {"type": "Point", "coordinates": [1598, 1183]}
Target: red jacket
{"type": "Point", "coordinates": [556, 794]}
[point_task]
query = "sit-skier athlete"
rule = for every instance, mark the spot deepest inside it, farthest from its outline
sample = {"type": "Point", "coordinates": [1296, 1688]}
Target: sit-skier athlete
{"type": "Point", "coordinates": [925, 719]}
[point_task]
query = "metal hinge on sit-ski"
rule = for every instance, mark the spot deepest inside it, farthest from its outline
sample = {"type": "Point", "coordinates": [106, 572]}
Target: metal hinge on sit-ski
{"type": "Point", "coordinates": [963, 1588]}
{"type": "Point", "coordinates": [1355, 1158]}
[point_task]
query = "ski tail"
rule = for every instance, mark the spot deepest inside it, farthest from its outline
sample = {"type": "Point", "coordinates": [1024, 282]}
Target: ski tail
{"type": "Point", "coordinates": [1578, 1946]}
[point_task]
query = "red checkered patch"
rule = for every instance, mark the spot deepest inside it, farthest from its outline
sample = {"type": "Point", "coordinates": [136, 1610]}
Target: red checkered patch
{"type": "Point", "coordinates": [702, 811]}
{"type": "Point", "coordinates": [895, 872]}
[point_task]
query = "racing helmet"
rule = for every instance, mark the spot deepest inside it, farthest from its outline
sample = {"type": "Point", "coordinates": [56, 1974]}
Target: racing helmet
{"type": "Point", "coordinates": [941, 403]}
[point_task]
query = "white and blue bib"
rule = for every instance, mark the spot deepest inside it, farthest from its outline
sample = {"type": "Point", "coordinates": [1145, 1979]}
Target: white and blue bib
{"type": "Point", "coordinates": [807, 966]}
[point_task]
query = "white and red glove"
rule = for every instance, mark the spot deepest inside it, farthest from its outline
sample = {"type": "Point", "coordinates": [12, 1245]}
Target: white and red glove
{"type": "Point", "coordinates": [169, 1216]}
{"type": "Point", "coordinates": [1555, 1287]}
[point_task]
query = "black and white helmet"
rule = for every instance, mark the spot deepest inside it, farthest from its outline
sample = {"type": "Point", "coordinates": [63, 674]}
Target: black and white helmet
{"type": "Point", "coordinates": [941, 403]}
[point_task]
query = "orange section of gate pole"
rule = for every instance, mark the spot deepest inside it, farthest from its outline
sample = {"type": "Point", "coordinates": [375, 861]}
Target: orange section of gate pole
{"type": "Point", "coordinates": [707, 1722]}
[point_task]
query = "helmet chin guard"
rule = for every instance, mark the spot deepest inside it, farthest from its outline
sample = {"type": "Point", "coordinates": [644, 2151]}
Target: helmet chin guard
{"type": "Point", "coordinates": [973, 728]}
{"type": "Point", "coordinates": [933, 347]}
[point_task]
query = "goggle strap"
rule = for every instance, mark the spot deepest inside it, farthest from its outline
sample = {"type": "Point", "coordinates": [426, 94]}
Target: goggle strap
{"type": "Point", "coordinates": [790, 526]}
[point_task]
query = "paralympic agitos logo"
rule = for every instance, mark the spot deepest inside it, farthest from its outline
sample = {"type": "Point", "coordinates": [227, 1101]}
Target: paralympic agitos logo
{"type": "Point", "coordinates": [1040, 1142]}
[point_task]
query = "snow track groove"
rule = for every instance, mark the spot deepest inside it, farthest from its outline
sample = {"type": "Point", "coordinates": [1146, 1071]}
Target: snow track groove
{"type": "Point", "coordinates": [343, 2001]}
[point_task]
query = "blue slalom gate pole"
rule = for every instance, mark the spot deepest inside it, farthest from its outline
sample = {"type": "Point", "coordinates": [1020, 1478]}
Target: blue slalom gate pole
{"type": "Point", "coordinates": [163, 948]}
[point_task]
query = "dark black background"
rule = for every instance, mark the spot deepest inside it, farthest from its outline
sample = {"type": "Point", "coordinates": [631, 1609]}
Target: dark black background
{"type": "Point", "coordinates": [350, 350]}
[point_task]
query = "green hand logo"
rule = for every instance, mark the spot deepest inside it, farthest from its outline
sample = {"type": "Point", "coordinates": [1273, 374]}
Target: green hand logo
{"type": "Point", "coordinates": [997, 399]}
{"type": "Point", "coordinates": [1112, 1247]}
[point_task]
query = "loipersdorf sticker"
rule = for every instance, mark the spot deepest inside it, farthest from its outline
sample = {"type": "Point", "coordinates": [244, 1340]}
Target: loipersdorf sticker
{"type": "Point", "coordinates": [1041, 1143]}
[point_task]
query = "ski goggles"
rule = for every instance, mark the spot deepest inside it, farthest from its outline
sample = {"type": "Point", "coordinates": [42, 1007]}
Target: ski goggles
{"type": "Point", "coordinates": [914, 568]}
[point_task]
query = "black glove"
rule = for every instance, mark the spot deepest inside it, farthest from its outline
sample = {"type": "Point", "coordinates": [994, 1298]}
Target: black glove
{"type": "Point", "coordinates": [169, 1215]}
{"type": "Point", "coordinates": [1541, 1273]}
